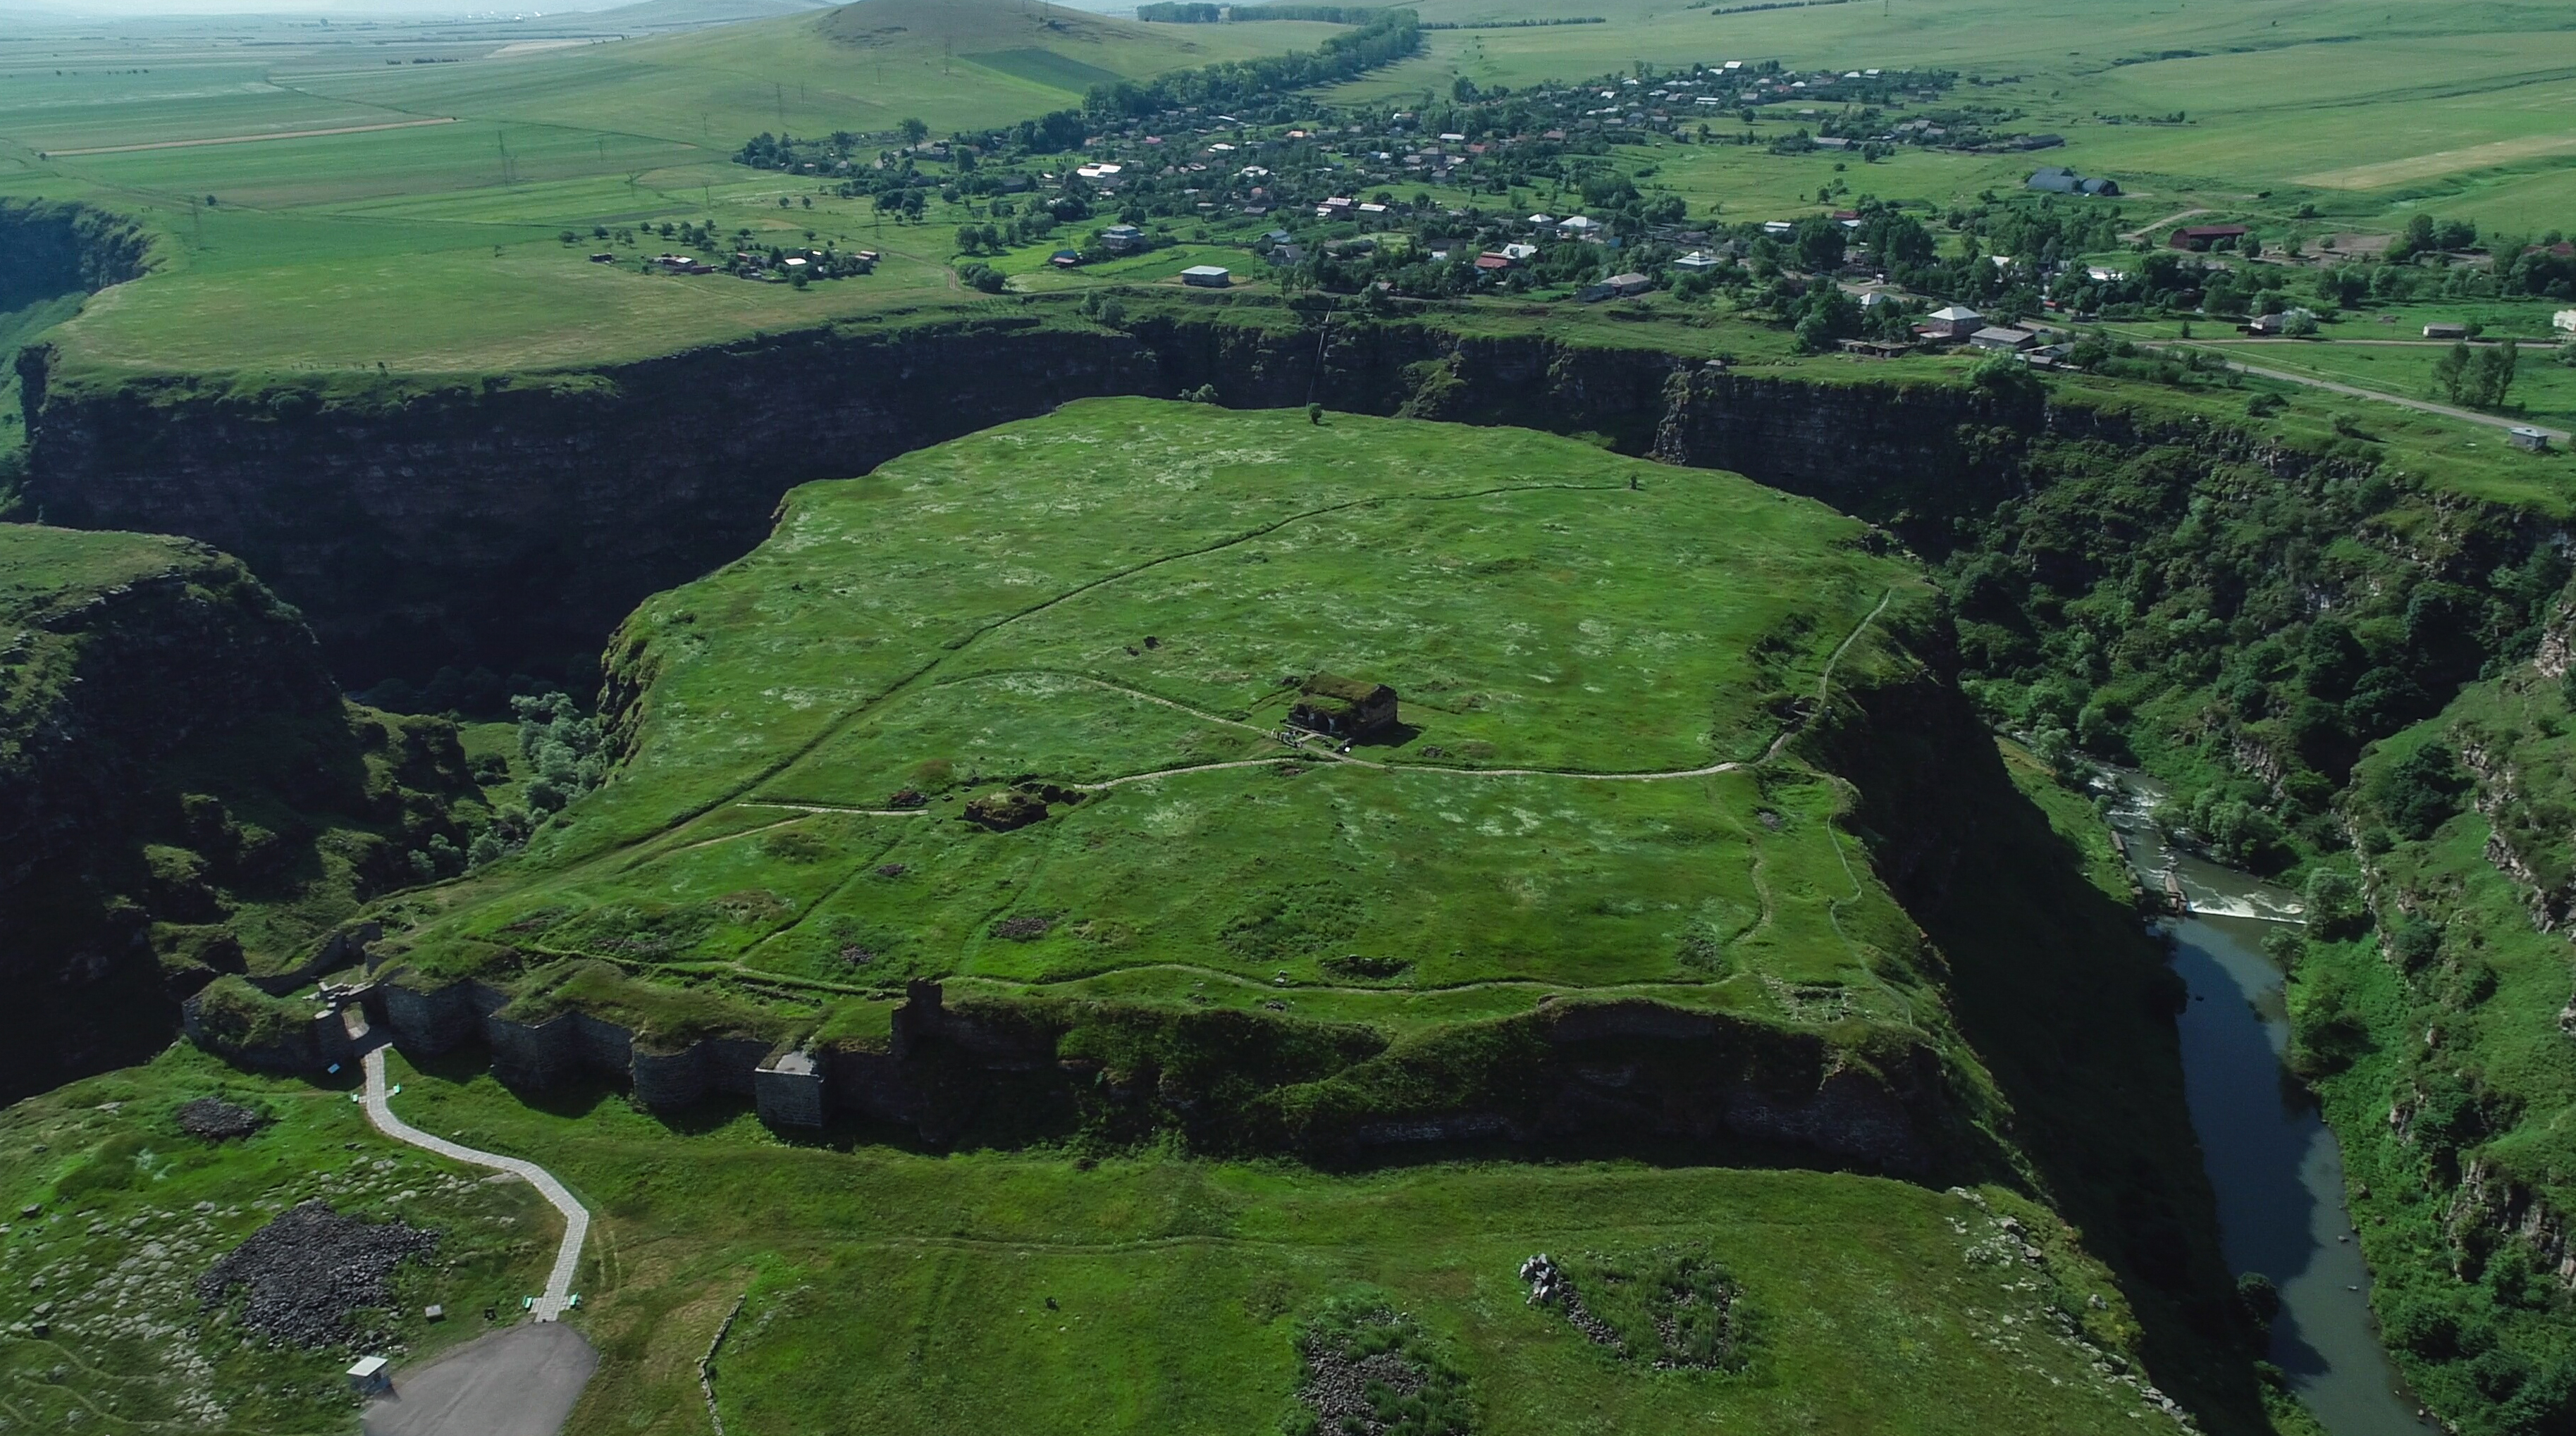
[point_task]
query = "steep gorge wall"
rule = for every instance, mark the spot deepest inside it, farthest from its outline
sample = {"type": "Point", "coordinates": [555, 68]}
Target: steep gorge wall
{"type": "Point", "coordinates": [64, 249]}
{"type": "Point", "coordinates": [98, 688]}
{"type": "Point", "coordinates": [513, 525]}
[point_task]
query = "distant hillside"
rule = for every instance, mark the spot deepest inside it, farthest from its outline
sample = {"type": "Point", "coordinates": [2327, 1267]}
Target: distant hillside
{"type": "Point", "coordinates": [693, 14]}
{"type": "Point", "coordinates": [980, 27]}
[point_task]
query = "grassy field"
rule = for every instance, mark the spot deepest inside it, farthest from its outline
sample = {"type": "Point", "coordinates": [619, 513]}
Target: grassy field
{"type": "Point", "coordinates": [2458, 97]}
{"type": "Point", "coordinates": [1141, 1293]}
{"type": "Point", "coordinates": [1594, 655]}
{"type": "Point", "coordinates": [2544, 389]}
{"type": "Point", "coordinates": [134, 1210]}
{"type": "Point", "coordinates": [433, 246]}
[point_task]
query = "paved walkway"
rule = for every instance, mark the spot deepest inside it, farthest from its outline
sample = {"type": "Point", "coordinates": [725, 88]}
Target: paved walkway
{"type": "Point", "coordinates": [558, 1293]}
{"type": "Point", "coordinates": [521, 1381]}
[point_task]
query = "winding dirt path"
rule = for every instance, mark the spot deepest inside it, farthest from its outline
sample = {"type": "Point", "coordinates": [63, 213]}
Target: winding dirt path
{"type": "Point", "coordinates": [2447, 411]}
{"type": "Point", "coordinates": [246, 139]}
{"type": "Point", "coordinates": [2176, 217]}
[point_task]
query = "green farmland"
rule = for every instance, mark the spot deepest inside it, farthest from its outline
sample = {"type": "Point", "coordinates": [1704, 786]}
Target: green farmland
{"type": "Point", "coordinates": [425, 238]}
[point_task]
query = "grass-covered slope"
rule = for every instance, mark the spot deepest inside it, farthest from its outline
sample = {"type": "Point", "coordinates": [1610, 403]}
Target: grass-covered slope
{"type": "Point", "coordinates": [182, 791]}
{"type": "Point", "coordinates": [2438, 1020]}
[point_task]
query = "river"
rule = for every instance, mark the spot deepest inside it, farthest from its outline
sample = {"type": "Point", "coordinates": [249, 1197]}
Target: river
{"type": "Point", "coordinates": [2275, 1166]}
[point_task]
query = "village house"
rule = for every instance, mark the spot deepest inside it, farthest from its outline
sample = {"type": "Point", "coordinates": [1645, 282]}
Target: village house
{"type": "Point", "coordinates": [2204, 236]}
{"type": "Point", "coordinates": [2564, 321]}
{"type": "Point", "coordinates": [1580, 227]}
{"type": "Point", "coordinates": [2002, 340]}
{"type": "Point", "coordinates": [1122, 239]}
{"type": "Point", "coordinates": [1875, 348]}
{"type": "Point", "coordinates": [2523, 436]}
{"type": "Point", "coordinates": [1207, 276]}
{"type": "Point", "coordinates": [1956, 322]}
{"type": "Point", "coordinates": [2057, 179]}
{"type": "Point", "coordinates": [1343, 707]}
{"type": "Point", "coordinates": [1698, 261]}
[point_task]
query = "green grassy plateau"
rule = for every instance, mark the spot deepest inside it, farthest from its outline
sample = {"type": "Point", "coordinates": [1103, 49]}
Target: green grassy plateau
{"type": "Point", "coordinates": [1605, 785]}
{"type": "Point", "coordinates": [1597, 659]}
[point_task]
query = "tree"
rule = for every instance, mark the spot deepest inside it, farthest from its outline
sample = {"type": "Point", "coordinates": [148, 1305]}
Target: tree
{"type": "Point", "coordinates": [2479, 378]}
{"type": "Point", "coordinates": [914, 131]}
{"type": "Point", "coordinates": [2451, 370]}
{"type": "Point", "coordinates": [2496, 369]}
{"type": "Point", "coordinates": [1820, 244]}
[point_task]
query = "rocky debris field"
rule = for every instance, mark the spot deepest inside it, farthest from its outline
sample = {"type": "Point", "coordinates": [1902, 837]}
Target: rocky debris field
{"type": "Point", "coordinates": [1371, 1371]}
{"type": "Point", "coordinates": [309, 1271]}
{"type": "Point", "coordinates": [217, 1120]}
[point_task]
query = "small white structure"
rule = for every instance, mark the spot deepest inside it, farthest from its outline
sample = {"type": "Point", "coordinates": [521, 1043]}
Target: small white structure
{"type": "Point", "coordinates": [367, 1376]}
{"type": "Point", "coordinates": [2523, 436]}
{"type": "Point", "coordinates": [2564, 321]}
{"type": "Point", "coordinates": [1207, 276]}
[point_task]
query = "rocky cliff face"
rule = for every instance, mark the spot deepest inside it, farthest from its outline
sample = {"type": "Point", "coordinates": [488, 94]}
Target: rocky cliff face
{"type": "Point", "coordinates": [117, 654]}
{"type": "Point", "coordinates": [64, 249]}
{"type": "Point", "coordinates": [513, 525]}
{"type": "Point", "coordinates": [182, 792]}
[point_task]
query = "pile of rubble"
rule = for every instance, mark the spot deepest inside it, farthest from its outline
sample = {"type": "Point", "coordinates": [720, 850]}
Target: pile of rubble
{"type": "Point", "coordinates": [1338, 1383]}
{"type": "Point", "coordinates": [1550, 1286]}
{"type": "Point", "coordinates": [215, 1119]}
{"type": "Point", "coordinates": [310, 1269]}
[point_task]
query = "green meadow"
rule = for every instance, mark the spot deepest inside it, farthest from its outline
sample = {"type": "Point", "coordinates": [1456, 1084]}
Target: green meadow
{"type": "Point", "coordinates": [883, 1290]}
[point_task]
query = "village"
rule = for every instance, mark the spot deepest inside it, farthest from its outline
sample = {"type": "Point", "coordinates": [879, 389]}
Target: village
{"type": "Point", "coordinates": [1554, 193]}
